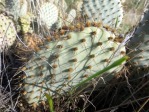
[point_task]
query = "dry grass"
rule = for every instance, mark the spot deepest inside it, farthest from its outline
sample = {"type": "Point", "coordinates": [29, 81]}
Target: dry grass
{"type": "Point", "coordinates": [127, 93]}
{"type": "Point", "coordinates": [6, 102]}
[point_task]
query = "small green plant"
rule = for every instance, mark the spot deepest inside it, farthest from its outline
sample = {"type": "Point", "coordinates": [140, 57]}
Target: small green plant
{"type": "Point", "coordinates": [50, 102]}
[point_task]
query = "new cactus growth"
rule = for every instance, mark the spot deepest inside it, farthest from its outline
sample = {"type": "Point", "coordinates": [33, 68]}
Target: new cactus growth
{"type": "Point", "coordinates": [7, 32]}
{"type": "Point", "coordinates": [25, 22]}
{"type": "Point", "coordinates": [109, 11]}
{"type": "Point", "coordinates": [68, 57]}
{"type": "Point", "coordinates": [139, 43]}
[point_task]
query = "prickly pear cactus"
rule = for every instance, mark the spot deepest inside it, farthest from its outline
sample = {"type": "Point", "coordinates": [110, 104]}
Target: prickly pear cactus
{"type": "Point", "coordinates": [110, 12]}
{"type": "Point", "coordinates": [139, 43]}
{"type": "Point", "coordinates": [48, 14]}
{"type": "Point", "coordinates": [71, 16]}
{"type": "Point", "coordinates": [69, 57]}
{"type": "Point", "coordinates": [7, 32]}
{"type": "Point", "coordinates": [17, 8]}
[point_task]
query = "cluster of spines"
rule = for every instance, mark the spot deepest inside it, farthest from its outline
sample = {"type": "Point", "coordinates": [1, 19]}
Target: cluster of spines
{"type": "Point", "coordinates": [57, 35]}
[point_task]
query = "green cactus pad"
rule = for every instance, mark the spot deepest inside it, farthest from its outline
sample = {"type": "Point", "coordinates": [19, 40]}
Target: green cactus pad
{"type": "Point", "coordinates": [139, 44]}
{"type": "Point", "coordinates": [110, 12]}
{"type": "Point", "coordinates": [17, 8]}
{"type": "Point", "coordinates": [48, 14]}
{"type": "Point", "coordinates": [7, 32]}
{"type": "Point", "coordinates": [71, 16]}
{"type": "Point", "coordinates": [70, 59]}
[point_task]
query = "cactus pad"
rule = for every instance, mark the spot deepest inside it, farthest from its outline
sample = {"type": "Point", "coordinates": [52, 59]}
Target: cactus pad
{"type": "Point", "coordinates": [71, 16]}
{"type": "Point", "coordinates": [48, 14]}
{"type": "Point", "coordinates": [17, 8]}
{"type": "Point", "coordinates": [68, 58]}
{"type": "Point", "coordinates": [7, 32]}
{"type": "Point", "coordinates": [110, 12]}
{"type": "Point", "coordinates": [139, 44]}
